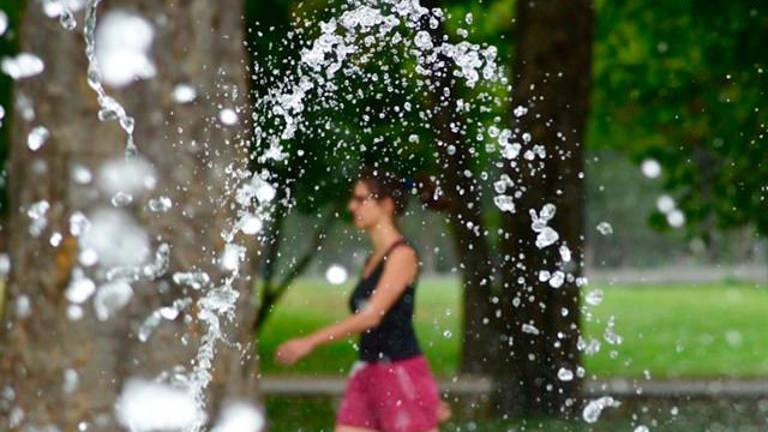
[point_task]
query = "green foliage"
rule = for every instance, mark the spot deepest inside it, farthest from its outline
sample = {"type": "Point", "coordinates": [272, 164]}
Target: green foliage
{"type": "Point", "coordinates": [8, 46]}
{"type": "Point", "coordinates": [684, 83]}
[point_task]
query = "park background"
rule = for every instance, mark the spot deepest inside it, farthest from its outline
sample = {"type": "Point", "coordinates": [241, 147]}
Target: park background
{"type": "Point", "coordinates": [675, 177]}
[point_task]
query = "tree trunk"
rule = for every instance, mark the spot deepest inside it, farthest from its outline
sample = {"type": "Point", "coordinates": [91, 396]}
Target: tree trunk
{"type": "Point", "coordinates": [197, 42]}
{"type": "Point", "coordinates": [552, 70]}
{"type": "Point", "coordinates": [464, 210]}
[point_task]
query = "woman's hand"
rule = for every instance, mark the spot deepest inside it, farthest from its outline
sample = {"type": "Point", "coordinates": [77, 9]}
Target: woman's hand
{"type": "Point", "coordinates": [293, 350]}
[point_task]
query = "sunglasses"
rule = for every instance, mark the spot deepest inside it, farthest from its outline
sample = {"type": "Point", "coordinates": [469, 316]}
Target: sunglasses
{"type": "Point", "coordinates": [359, 199]}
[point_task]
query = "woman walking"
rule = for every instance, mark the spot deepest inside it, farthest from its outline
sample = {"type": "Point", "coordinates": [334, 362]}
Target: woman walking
{"type": "Point", "coordinates": [391, 388]}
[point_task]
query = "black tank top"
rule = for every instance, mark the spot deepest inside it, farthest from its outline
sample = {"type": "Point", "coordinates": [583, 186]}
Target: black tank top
{"type": "Point", "coordinates": [394, 338]}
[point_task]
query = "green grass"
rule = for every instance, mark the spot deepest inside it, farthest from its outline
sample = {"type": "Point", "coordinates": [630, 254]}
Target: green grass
{"type": "Point", "coordinates": [317, 415]}
{"type": "Point", "coordinates": [681, 330]}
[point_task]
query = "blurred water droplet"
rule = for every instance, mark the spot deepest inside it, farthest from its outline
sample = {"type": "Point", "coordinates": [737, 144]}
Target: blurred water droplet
{"type": "Point", "coordinates": [111, 298]}
{"type": "Point", "coordinates": [557, 279]}
{"type": "Point", "coordinates": [80, 287]}
{"type": "Point", "coordinates": [594, 297]}
{"type": "Point", "coordinates": [194, 279]}
{"type": "Point", "coordinates": [184, 94]}
{"type": "Point", "coordinates": [564, 374]}
{"type": "Point", "coordinates": [250, 224]}
{"type": "Point", "coordinates": [116, 238]}
{"type": "Point", "coordinates": [240, 417]}
{"type": "Point", "coordinates": [37, 138]}
{"type": "Point", "coordinates": [123, 43]}
{"type": "Point", "coordinates": [605, 228]}
{"type": "Point", "coordinates": [228, 117]}
{"type": "Point", "coordinates": [145, 406]}
{"type": "Point", "coordinates": [23, 306]}
{"type": "Point", "coordinates": [530, 329]}
{"type": "Point", "coordinates": [37, 213]}
{"type": "Point", "coordinates": [23, 65]}
{"type": "Point", "coordinates": [160, 204]}
{"type": "Point", "coordinates": [231, 257]}
{"type": "Point", "coordinates": [3, 23]}
{"type": "Point", "coordinates": [81, 174]}
{"type": "Point", "coordinates": [74, 312]}
{"type": "Point", "coordinates": [651, 168]}
{"type": "Point", "coordinates": [595, 407]}
{"type": "Point", "coordinates": [336, 274]}
{"type": "Point", "coordinates": [71, 381]}
{"type": "Point", "coordinates": [121, 199]}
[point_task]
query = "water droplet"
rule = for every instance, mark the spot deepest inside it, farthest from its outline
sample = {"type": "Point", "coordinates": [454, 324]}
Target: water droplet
{"type": "Point", "coordinates": [23, 306]}
{"type": "Point", "coordinates": [595, 407]}
{"type": "Point", "coordinates": [81, 174]}
{"type": "Point", "coordinates": [111, 298]}
{"type": "Point", "coordinates": [184, 94]}
{"type": "Point", "coordinates": [160, 204]}
{"type": "Point", "coordinates": [651, 168]}
{"type": "Point", "coordinates": [231, 257]}
{"type": "Point", "coordinates": [336, 274]}
{"type": "Point", "coordinates": [74, 312]}
{"type": "Point", "coordinates": [80, 287]}
{"type": "Point", "coordinates": [641, 428]}
{"type": "Point", "coordinates": [123, 43]}
{"type": "Point", "coordinates": [194, 279]}
{"type": "Point", "coordinates": [228, 117]}
{"type": "Point", "coordinates": [250, 224]}
{"type": "Point", "coordinates": [67, 20]}
{"type": "Point", "coordinates": [594, 297]}
{"type": "Point", "coordinates": [505, 203]}
{"type": "Point", "coordinates": [530, 329]}
{"type": "Point", "coordinates": [71, 380]}
{"type": "Point", "coordinates": [121, 199]}
{"type": "Point", "coordinates": [423, 40]}
{"type": "Point", "coordinates": [447, 334]}
{"type": "Point", "coordinates": [24, 65]}
{"type": "Point", "coordinates": [520, 111]}
{"type": "Point", "coordinates": [665, 204]}
{"type": "Point", "coordinates": [564, 374]}
{"type": "Point", "coordinates": [3, 23]}
{"type": "Point", "coordinates": [557, 279]}
{"type": "Point", "coordinates": [605, 228]}
{"type": "Point", "coordinates": [37, 138]}
{"type": "Point", "coordinates": [239, 417]}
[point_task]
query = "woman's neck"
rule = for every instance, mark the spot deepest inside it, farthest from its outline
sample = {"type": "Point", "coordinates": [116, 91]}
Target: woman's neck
{"type": "Point", "coordinates": [382, 237]}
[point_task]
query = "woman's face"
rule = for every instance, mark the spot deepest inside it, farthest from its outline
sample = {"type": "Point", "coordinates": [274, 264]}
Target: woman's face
{"type": "Point", "coordinates": [366, 210]}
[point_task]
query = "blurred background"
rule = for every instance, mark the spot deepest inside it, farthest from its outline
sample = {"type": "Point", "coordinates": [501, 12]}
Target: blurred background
{"type": "Point", "coordinates": [672, 116]}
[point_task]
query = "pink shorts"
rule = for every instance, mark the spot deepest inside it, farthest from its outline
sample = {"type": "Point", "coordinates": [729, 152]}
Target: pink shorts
{"type": "Point", "coordinates": [399, 396]}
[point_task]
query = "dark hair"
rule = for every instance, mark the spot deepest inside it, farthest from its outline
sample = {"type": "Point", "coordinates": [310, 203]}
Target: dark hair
{"type": "Point", "coordinates": [384, 184]}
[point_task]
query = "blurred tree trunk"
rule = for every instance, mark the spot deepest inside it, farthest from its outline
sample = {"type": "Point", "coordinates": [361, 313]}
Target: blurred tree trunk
{"type": "Point", "coordinates": [464, 210]}
{"type": "Point", "coordinates": [552, 70]}
{"type": "Point", "coordinates": [197, 42]}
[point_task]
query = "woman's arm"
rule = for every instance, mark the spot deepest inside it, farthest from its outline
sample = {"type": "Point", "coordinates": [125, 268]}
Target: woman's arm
{"type": "Point", "coordinates": [399, 271]}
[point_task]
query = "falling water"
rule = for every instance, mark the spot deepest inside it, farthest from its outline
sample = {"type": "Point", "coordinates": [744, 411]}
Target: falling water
{"type": "Point", "coordinates": [330, 56]}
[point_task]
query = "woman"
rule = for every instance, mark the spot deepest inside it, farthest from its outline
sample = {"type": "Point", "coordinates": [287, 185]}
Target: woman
{"type": "Point", "coordinates": [391, 389]}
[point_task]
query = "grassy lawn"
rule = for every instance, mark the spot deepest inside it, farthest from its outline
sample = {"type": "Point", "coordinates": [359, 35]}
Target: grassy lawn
{"type": "Point", "coordinates": [699, 330]}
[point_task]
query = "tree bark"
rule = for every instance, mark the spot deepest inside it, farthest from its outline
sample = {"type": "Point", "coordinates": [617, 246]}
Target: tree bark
{"type": "Point", "coordinates": [552, 70]}
{"type": "Point", "coordinates": [464, 209]}
{"type": "Point", "coordinates": [197, 42]}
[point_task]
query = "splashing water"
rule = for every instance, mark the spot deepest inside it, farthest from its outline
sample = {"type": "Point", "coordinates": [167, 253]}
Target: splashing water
{"type": "Point", "coordinates": [595, 407]}
{"type": "Point", "coordinates": [335, 52]}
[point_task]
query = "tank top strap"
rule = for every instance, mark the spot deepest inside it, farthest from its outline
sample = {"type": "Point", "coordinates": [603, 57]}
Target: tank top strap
{"type": "Point", "coordinates": [401, 241]}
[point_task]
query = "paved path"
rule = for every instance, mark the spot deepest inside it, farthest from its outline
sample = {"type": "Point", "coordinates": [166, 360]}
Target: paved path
{"type": "Point", "coordinates": [725, 388]}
